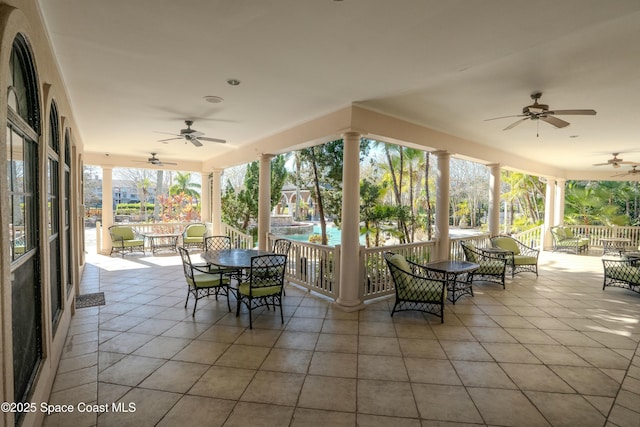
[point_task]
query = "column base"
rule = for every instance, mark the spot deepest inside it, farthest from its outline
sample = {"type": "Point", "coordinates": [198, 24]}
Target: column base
{"type": "Point", "coordinates": [349, 306]}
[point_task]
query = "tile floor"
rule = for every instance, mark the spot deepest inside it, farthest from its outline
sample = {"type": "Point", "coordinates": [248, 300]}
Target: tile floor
{"type": "Point", "coordinates": [551, 351]}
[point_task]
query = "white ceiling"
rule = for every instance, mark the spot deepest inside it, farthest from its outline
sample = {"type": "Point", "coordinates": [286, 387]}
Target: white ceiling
{"type": "Point", "coordinates": [135, 67]}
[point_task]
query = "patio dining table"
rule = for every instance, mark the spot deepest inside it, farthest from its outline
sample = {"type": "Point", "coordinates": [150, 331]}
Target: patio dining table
{"type": "Point", "coordinates": [233, 258]}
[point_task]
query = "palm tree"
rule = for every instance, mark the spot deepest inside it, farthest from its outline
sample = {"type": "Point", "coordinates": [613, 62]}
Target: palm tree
{"type": "Point", "coordinates": [184, 185]}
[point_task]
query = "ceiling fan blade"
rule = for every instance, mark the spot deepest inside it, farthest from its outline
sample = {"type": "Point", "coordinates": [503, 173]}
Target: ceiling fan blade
{"type": "Point", "coordinates": [504, 117]}
{"type": "Point", "coordinates": [559, 123]}
{"type": "Point", "coordinates": [166, 133]}
{"type": "Point", "coordinates": [601, 164]}
{"type": "Point", "coordinates": [222, 141]}
{"type": "Point", "coordinates": [514, 124]}
{"type": "Point", "coordinates": [573, 112]}
{"type": "Point", "coordinates": [169, 139]}
{"type": "Point", "coordinates": [196, 142]}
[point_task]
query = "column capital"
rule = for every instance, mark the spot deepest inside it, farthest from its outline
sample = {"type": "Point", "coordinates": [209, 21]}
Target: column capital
{"type": "Point", "coordinates": [493, 165]}
{"type": "Point", "coordinates": [441, 153]}
{"type": "Point", "coordinates": [351, 134]}
{"type": "Point", "coordinates": [266, 156]}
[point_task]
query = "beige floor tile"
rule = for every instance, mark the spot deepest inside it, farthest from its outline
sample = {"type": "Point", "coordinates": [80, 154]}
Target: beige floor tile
{"type": "Point", "coordinates": [162, 347]}
{"type": "Point", "coordinates": [276, 388]}
{"type": "Point", "coordinates": [547, 323]}
{"type": "Point", "coordinates": [75, 378]}
{"type": "Point", "coordinates": [506, 408]}
{"type": "Point", "coordinates": [259, 337]}
{"type": "Point", "coordinates": [602, 357]}
{"type": "Point", "coordinates": [174, 376]}
{"type": "Point", "coordinates": [130, 370]}
{"type": "Point", "coordinates": [334, 364]}
{"type": "Point", "coordinates": [186, 329]}
{"type": "Point", "coordinates": [303, 417]}
{"type": "Point", "coordinates": [556, 355]}
{"type": "Point", "coordinates": [126, 342]}
{"type": "Point", "coordinates": [415, 331]}
{"type": "Point", "coordinates": [304, 324]}
{"type": "Point", "coordinates": [223, 383]}
{"type": "Point", "coordinates": [587, 380]}
{"type": "Point", "coordinates": [297, 340]}
{"type": "Point", "coordinates": [572, 338]}
{"type": "Point", "coordinates": [82, 393]}
{"type": "Point", "coordinates": [465, 350]}
{"type": "Point", "coordinates": [206, 352]}
{"type": "Point", "coordinates": [377, 329]}
{"type": "Point", "coordinates": [621, 416]}
{"type": "Point", "coordinates": [566, 410]}
{"type": "Point", "coordinates": [536, 378]}
{"type": "Point", "coordinates": [482, 374]}
{"type": "Point", "coordinates": [366, 420]}
{"type": "Point", "coordinates": [531, 336]}
{"type": "Point", "coordinates": [391, 368]}
{"type": "Point", "coordinates": [429, 349]}
{"type": "Point", "coordinates": [78, 362]}
{"type": "Point", "coordinates": [491, 335]}
{"type": "Point", "coordinates": [513, 322]}
{"type": "Point", "coordinates": [398, 398]}
{"type": "Point", "coordinates": [453, 333]}
{"type": "Point", "coordinates": [333, 326]}
{"type": "Point", "coordinates": [337, 343]}
{"type": "Point", "coordinates": [287, 360]}
{"type": "Point", "coordinates": [198, 410]}
{"type": "Point", "coordinates": [109, 393]}
{"type": "Point", "coordinates": [477, 320]}
{"type": "Point", "coordinates": [510, 352]}
{"type": "Point", "coordinates": [377, 345]}
{"type": "Point", "coordinates": [445, 403]}
{"type": "Point", "coordinates": [150, 406]}
{"type": "Point", "coordinates": [243, 356]}
{"type": "Point", "coordinates": [259, 415]}
{"type": "Point", "coordinates": [432, 371]}
{"type": "Point", "coordinates": [334, 394]}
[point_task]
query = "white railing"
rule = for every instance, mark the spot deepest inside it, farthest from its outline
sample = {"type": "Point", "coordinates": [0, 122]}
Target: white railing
{"type": "Point", "coordinates": [455, 249]}
{"type": "Point", "coordinates": [238, 238]}
{"type": "Point", "coordinates": [376, 281]}
{"type": "Point", "coordinates": [312, 266]}
{"type": "Point", "coordinates": [598, 232]}
{"type": "Point", "coordinates": [530, 237]}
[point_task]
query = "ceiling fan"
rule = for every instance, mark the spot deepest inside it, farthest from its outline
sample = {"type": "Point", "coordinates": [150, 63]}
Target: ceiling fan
{"type": "Point", "coordinates": [153, 160]}
{"type": "Point", "coordinates": [631, 171]}
{"type": "Point", "coordinates": [191, 135]}
{"type": "Point", "coordinates": [615, 161]}
{"type": "Point", "coordinates": [537, 111]}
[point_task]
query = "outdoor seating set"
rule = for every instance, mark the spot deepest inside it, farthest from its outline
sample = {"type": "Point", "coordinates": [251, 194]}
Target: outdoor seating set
{"type": "Point", "coordinates": [565, 240]}
{"type": "Point", "coordinates": [255, 278]}
{"type": "Point", "coordinates": [623, 272]}
{"type": "Point", "coordinates": [125, 239]}
{"type": "Point", "coordinates": [426, 287]}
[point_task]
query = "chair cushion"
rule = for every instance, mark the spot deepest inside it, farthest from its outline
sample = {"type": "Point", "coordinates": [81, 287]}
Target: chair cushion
{"type": "Point", "coordinates": [491, 267]}
{"type": "Point", "coordinates": [524, 260]}
{"type": "Point", "coordinates": [126, 233]}
{"type": "Point", "coordinates": [259, 292]}
{"type": "Point", "coordinates": [400, 262]}
{"type": "Point", "coordinates": [415, 292]}
{"type": "Point", "coordinates": [131, 243]}
{"type": "Point", "coordinates": [507, 243]}
{"type": "Point", "coordinates": [204, 280]}
{"type": "Point", "coordinates": [196, 231]}
{"type": "Point", "coordinates": [193, 239]}
{"type": "Point", "coordinates": [469, 252]}
{"type": "Point", "coordinates": [567, 232]}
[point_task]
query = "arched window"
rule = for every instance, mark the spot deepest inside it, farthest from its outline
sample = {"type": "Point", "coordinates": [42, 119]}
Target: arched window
{"type": "Point", "coordinates": [53, 214]}
{"type": "Point", "coordinates": [23, 130]}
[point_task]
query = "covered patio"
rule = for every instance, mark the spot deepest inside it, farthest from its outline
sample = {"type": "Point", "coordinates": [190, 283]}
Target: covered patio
{"type": "Point", "coordinates": [556, 350]}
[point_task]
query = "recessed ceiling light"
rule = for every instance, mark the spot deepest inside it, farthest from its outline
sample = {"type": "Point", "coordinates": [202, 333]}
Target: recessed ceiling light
{"type": "Point", "coordinates": [213, 99]}
{"type": "Point", "coordinates": [233, 82]}
{"type": "Point", "coordinates": [574, 136]}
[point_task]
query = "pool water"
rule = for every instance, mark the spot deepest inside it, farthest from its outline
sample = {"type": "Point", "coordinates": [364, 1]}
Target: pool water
{"type": "Point", "coordinates": [333, 235]}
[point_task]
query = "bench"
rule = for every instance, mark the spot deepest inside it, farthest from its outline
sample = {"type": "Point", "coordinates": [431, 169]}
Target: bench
{"type": "Point", "coordinates": [564, 239]}
{"type": "Point", "coordinates": [622, 273]}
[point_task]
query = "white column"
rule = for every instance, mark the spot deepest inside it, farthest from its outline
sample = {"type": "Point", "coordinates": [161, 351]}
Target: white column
{"type": "Point", "coordinates": [205, 198]}
{"type": "Point", "coordinates": [442, 205]}
{"type": "Point", "coordinates": [216, 201]}
{"type": "Point", "coordinates": [107, 207]}
{"type": "Point", "coordinates": [494, 199]}
{"type": "Point", "coordinates": [349, 290]}
{"type": "Point", "coordinates": [264, 200]}
{"type": "Point", "coordinates": [549, 210]}
{"type": "Point", "coordinates": [559, 212]}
